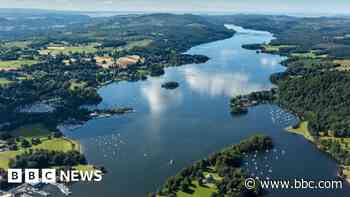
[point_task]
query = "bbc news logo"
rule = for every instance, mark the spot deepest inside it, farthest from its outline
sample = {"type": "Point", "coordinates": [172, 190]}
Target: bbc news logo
{"type": "Point", "coordinates": [33, 176]}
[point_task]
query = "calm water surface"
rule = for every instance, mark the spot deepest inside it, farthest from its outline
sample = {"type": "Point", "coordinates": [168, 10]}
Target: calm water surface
{"type": "Point", "coordinates": [191, 122]}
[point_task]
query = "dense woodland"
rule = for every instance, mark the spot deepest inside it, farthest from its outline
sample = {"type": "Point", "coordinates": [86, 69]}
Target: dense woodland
{"type": "Point", "coordinates": [51, 59]}
{"type": "Point", "coordinates": [239, 104]}
{"type": "Point", "coordinates": [50, 79]}
{"type": "Point", "coordinates": [322, 98]}
{"type": "Point", "coordinates": [68, 86]}
{"type": "Point", "coordinates": [45, 159]}
{"type": "Point", "coordinates": [227, 163]}
{"type": "Point", "coordinates": [324, 34]}
{"type": "Point", "coordinates": [312, 86]}
{"type": "Point", "coordinates": [315, 84]}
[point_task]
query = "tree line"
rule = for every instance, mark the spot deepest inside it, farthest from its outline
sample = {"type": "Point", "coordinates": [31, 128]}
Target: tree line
{"type": "Point", "coordinates": [227, 163]}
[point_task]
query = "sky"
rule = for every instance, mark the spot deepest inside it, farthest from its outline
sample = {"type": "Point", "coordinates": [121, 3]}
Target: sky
{"type": "Point", "coordinates": [277, 6]}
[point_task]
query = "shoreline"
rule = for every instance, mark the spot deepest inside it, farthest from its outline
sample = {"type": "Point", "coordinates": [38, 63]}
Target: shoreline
{"type": "Point", "coordinates": [124, 110]}
{"type": "Point", "coordinates": [46, 144]}
{"type": "Point", "coordinates": [302, 130]}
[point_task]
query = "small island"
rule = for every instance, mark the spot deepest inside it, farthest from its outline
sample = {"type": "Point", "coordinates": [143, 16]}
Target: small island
{"type": "Point", "coordinates": [170, 85]}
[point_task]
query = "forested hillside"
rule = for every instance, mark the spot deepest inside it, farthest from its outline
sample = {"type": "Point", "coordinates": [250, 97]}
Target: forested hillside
{"type": "Point", "coordinates": [315, 85]}
{"type": "Point", "coordinates": [63, 62]}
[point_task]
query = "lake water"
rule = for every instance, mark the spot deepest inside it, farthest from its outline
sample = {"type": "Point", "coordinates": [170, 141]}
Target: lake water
{"type": "Point", "coordinates": [192, 121]}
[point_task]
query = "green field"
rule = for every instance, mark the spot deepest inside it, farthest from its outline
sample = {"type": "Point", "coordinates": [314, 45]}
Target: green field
{"type": "Point", "coordinates": [77, 85]}
{"type": "Point", "coordinates": [84, 167]}
{"type": "Point", "coordinates": [139, 43]}
{"type": "Point", "coordinates": [276, 48]}
{"type": "Point", "coordinates": [302, 130]}
{"type": "Point", "coordinates": [310, 54]}
{"type": "Point", "coordinates": [70, 49]}
{"type": "Point", "coordinates": [346, 172]}
{"type": "Point", "coordinates": [38, 131]}
{"type": "Point", "coordinates": [19, 44]}
{"type": "Point", "coordinates": [14, 64]}
{"type": "Point", "coordinates": [56, 144]}
{"type": "Point", "coordinates": [141, 72]}
{"type": "Point", "coordinates": [200, 191]}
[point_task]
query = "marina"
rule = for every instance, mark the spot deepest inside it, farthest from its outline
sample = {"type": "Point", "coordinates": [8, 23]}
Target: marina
{"type": "Point", "coordinates": [37, 189]}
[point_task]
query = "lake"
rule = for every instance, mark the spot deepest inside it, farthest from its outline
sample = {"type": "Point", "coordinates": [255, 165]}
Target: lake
{"type": "Point", "coordinates": [192, 121]}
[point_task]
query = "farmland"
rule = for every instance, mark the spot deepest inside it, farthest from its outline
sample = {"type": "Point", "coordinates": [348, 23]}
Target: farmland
{"type": "Point", "coordinates": [15, 64]}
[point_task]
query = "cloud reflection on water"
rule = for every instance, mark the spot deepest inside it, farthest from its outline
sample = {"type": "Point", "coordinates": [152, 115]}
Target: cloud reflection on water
{"type": "Point", "coordinates": [269, 62]}
{"type": "Point", "coordinates": [216, 83]}
{"type": "Point", "coordinates": [158, 98]}
{"type": "Point", "coordinates": [227, 55]}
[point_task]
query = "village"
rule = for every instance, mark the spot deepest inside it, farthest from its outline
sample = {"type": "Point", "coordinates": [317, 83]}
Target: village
{"type": "Point", "coordinates": [34, 189]}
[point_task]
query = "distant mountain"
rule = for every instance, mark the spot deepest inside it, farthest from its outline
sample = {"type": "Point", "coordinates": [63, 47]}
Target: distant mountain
{"type": "Point", "coordinates": [21, 23]}
{"type": "Point", "coordinates": [19, 12]}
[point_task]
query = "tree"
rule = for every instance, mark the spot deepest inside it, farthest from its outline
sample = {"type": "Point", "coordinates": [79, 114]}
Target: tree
{"type": "Point", "coordinates": [25, 143]}
{"type": "Point", "coordinates": [152, 194]}
{"type": "Point", "coordinates": [214, 194]}
{"type": "Point", "coordinates": [57, 134]}
{"type": "Point", "coordinates": [172, 195]}
{"type": "Point", "coordinates": [36, 141]}
{"type": "Point", "coordinates": [184, 187]}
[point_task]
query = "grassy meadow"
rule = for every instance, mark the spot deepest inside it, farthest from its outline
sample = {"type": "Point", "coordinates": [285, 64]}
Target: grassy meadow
{"type": "Point", "coordinates": [47, 143]}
